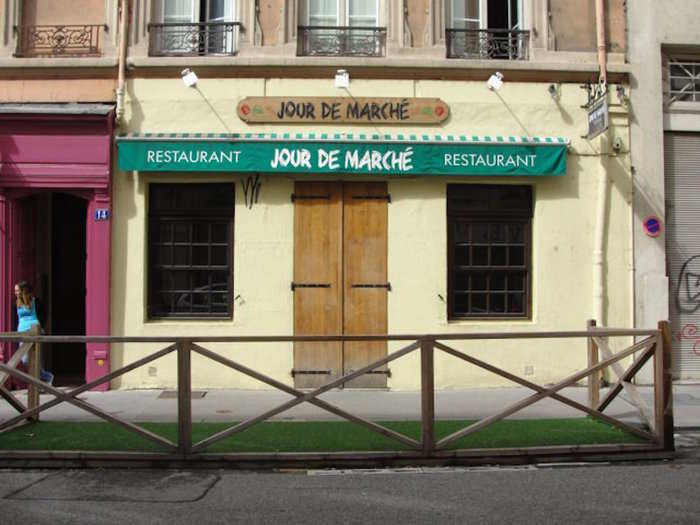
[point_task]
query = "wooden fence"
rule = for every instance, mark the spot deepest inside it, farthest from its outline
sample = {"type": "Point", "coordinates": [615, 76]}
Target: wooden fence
{"type": "Point", "coordinates": [656, 430]}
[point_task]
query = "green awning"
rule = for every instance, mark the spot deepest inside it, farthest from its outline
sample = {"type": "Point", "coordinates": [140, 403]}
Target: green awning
{"type": "Point", "coordinates": [344, 153]}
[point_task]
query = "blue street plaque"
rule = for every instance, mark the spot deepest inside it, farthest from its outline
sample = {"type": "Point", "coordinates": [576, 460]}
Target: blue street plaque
{"type": "Point", "coordinates": [102, 214]}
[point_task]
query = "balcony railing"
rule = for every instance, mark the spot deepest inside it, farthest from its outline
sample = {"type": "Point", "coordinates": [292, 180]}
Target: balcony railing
{"type": "Point", "coordinates": [194, 39]}
{"type": "Point", "coordinates": [488, 44]}
{"type": "Point", "coordinates": [58, 40]}
{"type": "Point", "coordinates": [341, 41]}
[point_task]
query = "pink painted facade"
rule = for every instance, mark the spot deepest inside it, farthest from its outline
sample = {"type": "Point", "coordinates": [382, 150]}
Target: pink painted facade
{"type": "Point", "coordinates": [57, 153]}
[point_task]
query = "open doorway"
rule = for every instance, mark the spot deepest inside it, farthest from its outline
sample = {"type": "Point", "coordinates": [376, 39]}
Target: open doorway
{"type": "Point", "coordinates": [49, 232]}
{"type": "Point", "coordinates": [67, 287]}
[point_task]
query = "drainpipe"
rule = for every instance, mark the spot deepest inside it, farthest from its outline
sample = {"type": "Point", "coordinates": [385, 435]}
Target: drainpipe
{"type": "Point", "coordinates": [123, 40]}
{"type": "Point", "coordinates": [599, 237]}
{"type": "Point", "coordinates": [602, 45]}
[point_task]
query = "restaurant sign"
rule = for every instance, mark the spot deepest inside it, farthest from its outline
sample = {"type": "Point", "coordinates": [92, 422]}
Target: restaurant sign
{"type": "Point", "coordinates": [347, 157]}
{"type": "Point", "coordinates": [335, 110]}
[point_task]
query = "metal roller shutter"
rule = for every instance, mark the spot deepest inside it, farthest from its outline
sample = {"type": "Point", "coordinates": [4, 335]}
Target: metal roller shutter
{"type": "Point", "coordinates": [682, 175]}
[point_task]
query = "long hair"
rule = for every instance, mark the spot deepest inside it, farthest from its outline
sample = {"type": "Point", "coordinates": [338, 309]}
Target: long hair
{"type": "Point", "coordinates": [25, 294]}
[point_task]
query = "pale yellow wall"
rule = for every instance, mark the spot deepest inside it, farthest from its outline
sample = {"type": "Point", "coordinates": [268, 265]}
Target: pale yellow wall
{"type": "Point", "coordinates": [262, 273]}
{"type": "Point", "coordinates": [563, 233]}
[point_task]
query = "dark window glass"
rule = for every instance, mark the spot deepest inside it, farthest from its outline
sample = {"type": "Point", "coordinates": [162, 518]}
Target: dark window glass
{"type": "Point", "coordinates": [461, 303]}
{"type": "Point", "coordinates": [479, 303]}
{"type": "Point", "coordinates": [515, 302]}
{"type": "Point", "coordinates": [479, 280]}
{"type": "Point", "coordinates": [498, 302]}
{"type": "Point", "coordinates": [489, 249]}
{"type": "Point", "coordinates": [498, 281]}
{"type": "Point", "coordinates": [190, 238]}
{"type": "Point", "coordinates": [498, 256]}
{"type": "Point", "coordinates": [461, 255]}
{"type": "Point", "coordinates": [461, 280]}
{"type": "Point", "coordinates": [480, 256]}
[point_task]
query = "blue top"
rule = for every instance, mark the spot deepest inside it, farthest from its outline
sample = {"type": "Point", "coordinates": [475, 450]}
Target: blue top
{"type": "Point", "coordinates": [26, 317]}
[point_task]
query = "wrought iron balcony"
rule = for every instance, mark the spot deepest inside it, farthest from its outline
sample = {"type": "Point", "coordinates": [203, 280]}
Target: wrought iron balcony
{"type": "Point", "coordinates": [488, 44]}
{"type": "Point", "coordinates": [341, 41]}
{"type": "Point", "coordinates": [58, 40]}
{"type": "Point", "coordinates": [194, 39]}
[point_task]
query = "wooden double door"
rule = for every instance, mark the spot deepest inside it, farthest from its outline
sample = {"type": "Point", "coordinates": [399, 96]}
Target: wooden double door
{"type": "Point", "coordinates": [340, 280]}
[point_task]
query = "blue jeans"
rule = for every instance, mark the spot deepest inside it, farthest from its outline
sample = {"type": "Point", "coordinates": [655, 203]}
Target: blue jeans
{"type": "Point", "coordinates": [44, 375]}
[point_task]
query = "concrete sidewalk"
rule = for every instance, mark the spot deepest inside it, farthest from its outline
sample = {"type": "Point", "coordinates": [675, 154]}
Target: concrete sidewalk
{"type": "Point", "coordinates": [229, 405]}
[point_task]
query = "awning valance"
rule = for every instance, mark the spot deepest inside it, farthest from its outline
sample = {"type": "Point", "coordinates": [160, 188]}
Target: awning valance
{"type": "Point", "coordinates": [345, 153]}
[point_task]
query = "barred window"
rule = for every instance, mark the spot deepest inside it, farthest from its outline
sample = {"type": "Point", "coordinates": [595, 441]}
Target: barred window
{"type": "Point", "coordinates": [684, 80]}
{"type": "Point", "coordinates": [489, 244]}
{"type": "Point", "coordinates": [190, 260]}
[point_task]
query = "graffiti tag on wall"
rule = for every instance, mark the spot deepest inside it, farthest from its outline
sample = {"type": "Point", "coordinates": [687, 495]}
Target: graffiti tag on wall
{"type": "Point", "coordinates": [251, 190]}
{"type": "Point", "coordinates": [692, 332]}
{"type": "Point", "coordinates": [688, 289]}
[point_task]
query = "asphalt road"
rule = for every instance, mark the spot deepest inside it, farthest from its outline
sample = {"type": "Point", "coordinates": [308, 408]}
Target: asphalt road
{"type": "Point", "coordinates": [662, 492]}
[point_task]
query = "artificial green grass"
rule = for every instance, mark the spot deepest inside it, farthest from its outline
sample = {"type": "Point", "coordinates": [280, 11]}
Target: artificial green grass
{"type": "Point", "coordinates": [311, 436]}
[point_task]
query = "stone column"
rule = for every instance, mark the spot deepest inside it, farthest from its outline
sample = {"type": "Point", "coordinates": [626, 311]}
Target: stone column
{"type": "Point", "coordinates": [9, 18]}
{"type": "Point", "coordinates": [140, 16]}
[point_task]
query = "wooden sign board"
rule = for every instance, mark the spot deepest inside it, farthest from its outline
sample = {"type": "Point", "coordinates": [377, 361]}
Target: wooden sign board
{"type": "Point", "coordinates": [330, 110]}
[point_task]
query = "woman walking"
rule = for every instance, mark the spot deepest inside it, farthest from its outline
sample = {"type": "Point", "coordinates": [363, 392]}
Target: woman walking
{"type": "Point", "coordinates": [27, 318]}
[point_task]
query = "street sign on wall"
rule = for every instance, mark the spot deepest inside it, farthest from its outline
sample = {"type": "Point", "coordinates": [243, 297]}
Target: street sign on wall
{"type": "Point", "coordinates": [598, 117]}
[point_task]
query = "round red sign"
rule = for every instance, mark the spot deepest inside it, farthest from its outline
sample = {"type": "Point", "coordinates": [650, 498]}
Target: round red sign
{"type": "Point", "coordinates": [652, 226]}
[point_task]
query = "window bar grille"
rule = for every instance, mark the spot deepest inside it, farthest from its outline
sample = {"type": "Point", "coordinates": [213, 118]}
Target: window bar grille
{"type": "Point", "coordinates": [487, 44]}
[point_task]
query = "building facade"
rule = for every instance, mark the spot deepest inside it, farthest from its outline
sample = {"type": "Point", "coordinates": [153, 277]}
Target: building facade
{"type": "Point", "coordinates": [317, 168]}
{"type": "Point", "coordinates": [664, 54]}
{"type": "Point", "coordinates": [56, 129]}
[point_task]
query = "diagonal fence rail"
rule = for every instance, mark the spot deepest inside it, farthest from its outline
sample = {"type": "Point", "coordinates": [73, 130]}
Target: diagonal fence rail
{"type": "Point", "coordinates": [656, 422]}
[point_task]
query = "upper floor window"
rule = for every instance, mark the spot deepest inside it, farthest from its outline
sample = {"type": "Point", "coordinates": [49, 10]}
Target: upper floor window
{"type": "Point", "coordinates": [486, 29]}
{"type": "Point", "coordinates": [341, 28]}
{"type": "Point", "coordinates": [194, 27]}
{"type": "Point", "coordinates": [683, 80]}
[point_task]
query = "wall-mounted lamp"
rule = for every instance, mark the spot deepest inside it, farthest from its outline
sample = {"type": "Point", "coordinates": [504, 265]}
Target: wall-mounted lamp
{"type": "Point", "coordinates": [622, 97]}
{"type": "Point", "coordinates": [495, 81]}
{"type": "Point", "coordinates": [617, 144]}
{"type": "Point", "coordinates": [342, 79]}
{"type": "Point", "coordinates": [189, 78]}
{"type": "Point", "coordinates": [553, 91]}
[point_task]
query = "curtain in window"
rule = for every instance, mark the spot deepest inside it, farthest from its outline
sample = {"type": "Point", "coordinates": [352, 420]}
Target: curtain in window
{"type": "Point", "coordinates": [216, 10]}
{"type": "Point", "coordinates": [323, 13]}
{"type": "Point", "coordinates": [178, 11]}
{"type": "Point", "coordinates": [465, 14]}
{"type": "Point", "coordinates": [362, 13]}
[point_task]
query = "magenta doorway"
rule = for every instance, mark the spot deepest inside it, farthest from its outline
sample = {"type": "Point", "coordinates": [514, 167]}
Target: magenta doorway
{"type": "Point", "coordinates": [55, 227]}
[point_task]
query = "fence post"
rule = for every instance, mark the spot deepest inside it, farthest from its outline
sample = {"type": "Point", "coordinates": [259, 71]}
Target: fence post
{"type": "Point", "coordinates": [184, 397]}
{"type": "Point", "coordinates": [33, 368]}
{"type": "Point", "coordinates": [663, 387]}
{"type": "Point", "coordinates": [594, 378]}
{"type": "Point", "coordinates": [427, 396]}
